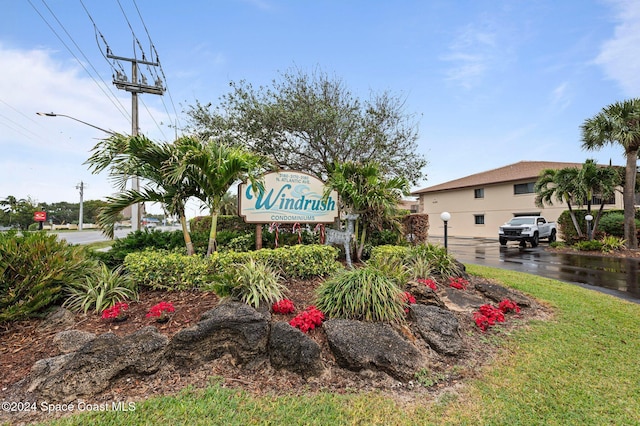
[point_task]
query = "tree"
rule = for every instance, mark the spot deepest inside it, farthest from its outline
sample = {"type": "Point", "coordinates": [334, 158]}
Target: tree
{"type": "Point", "coordinates": [308, 122]}
{"type": "Point", "coordinates": [619, 123]}
{"type": "Point", "coordinates": [597, 181]}
{"type": "Point", "coordinates": [560, 184]}
{"type": "Point", "coordinates": [213, 167]}
{"type": "Point", "coordinates": [363, 189]}
{"type": "Point", "coordinates": [128, 156]}
{"type": "Point", "coordinates": [11, 204]}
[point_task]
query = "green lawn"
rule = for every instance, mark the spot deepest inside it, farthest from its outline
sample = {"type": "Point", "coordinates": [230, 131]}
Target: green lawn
{"type": "Point", "coordinates": [580, 368]}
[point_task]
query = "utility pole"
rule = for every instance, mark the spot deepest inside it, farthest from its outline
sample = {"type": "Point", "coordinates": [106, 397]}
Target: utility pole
{"type": "Point", "coordinates": [80, 186]}
{"type": "Point", "coordinates": [135, 86]}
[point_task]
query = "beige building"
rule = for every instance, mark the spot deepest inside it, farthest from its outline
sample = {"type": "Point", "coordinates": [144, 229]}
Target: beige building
{"type": "Point", "coordinates": [480, 203]}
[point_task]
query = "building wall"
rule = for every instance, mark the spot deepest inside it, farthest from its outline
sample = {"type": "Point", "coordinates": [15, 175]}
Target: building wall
{"type": "Point", "coordinates": [498, 206]}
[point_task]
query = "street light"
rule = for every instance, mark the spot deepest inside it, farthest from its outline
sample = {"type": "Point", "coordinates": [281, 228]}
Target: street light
{"type": "Point", "coordinates": [135, 184]}
{"type": "Point", "coordinates": [588, 218]}
{"type": "Point", "coordinates": [445, 216]}
{"type": "Point", "coordinates": [51, 114]}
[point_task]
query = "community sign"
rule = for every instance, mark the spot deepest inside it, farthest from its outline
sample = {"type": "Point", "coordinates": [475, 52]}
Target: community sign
{"type": "Point", "coordinates": [288, 197]}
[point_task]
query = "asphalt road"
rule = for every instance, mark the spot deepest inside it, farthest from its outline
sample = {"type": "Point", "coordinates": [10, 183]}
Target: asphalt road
{"type": "Point", "coordinates": [614, 276]}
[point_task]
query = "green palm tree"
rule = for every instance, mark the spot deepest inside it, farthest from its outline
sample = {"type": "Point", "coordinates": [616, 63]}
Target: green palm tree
{"type": "Point", "coordinates": [127, 156]}
{"type": "Point", "coordinates": [213, 167]}
{"type": "Point", "coordinates": [561, 185]}
{"type": "Point", "coordinates": [619, 123]}
{"type": "Point", "coordinates": [597, 181]}
{"type": "Point", "coordinates": [12, 203]}
{"type": "Point", "coordinates": [365, 190]}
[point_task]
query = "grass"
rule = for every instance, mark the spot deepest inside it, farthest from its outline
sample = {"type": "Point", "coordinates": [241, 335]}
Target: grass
{"type": "Point", "coordinates": [581, 367]}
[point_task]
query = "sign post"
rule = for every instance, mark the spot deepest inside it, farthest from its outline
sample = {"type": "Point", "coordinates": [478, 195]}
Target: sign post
{"type": "Point", "coordinates": [40, 217]}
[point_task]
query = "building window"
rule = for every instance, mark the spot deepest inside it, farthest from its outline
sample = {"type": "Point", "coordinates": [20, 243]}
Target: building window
{"type": "Point", "coordinates": [523, 188]}
{"type": "Point", "coordinates": [478, 193]}
{"type": "Point", "coordinates": [597, 200]}
{"type": "Point", "coordinates": [479, 219]}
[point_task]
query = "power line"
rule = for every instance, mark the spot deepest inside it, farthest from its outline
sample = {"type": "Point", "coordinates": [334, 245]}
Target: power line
{"type": "Point", "coordinates": [112, 97]}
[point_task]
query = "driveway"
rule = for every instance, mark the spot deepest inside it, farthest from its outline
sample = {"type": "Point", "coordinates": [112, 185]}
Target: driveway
{"type": "Point", "coordinates": [615, 276]}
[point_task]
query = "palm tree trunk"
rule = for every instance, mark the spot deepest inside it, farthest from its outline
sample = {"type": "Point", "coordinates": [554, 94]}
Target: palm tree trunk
{"type": "Point", "coordinates": [574, 220]}
{"type": "Point", "coordinates": [213, 244]}
{"type": "Point", "coordinates": [597, 219]}
{"type": "Point", "coordinates": [628, 196]}
{"type": "Point", "coordinates": [186, 235]}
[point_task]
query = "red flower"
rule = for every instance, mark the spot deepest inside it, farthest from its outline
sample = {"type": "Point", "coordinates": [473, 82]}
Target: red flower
{"type": "Point", "coordinates": [459, 283]}
{"type": "Point", "coordinates": [408, 299]}
{"type": "Point", "coordinates": [115, 311]}
{"type": "Point", "coordinates": [307, 320]}
{"type": "Point", "coordinates": [509, 306]}
{"type": "Point", "coordinates": [160, 309]}
{"type": "Point", "coordinates": [284, 306]}
{"type": "Point", "coordinates": [429, 283]}
{"type": "Point", "coordinates": [482, 321]}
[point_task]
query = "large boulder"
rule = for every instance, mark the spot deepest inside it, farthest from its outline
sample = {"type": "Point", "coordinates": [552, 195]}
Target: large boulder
{"type": "Point", "coordinates": [91, 369]}
{"type": "Point", "coordinates": [438, 327]}
{"type": "Point", "coordinates": [291, 349]}
{"type": "Point", "coordinates": [373, 346]}
{"type": "Point", "coordinates": [230, 328]}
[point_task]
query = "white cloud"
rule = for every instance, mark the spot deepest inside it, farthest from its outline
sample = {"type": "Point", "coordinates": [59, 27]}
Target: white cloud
{"type": "Point", "coordinates": [471, 55]}
{"type": "Point", "coordinates": [618, 55]}
{"type": "Point", "coordinates": [43, 157]}
{"type": "Point", "coordinates": [560, 97]}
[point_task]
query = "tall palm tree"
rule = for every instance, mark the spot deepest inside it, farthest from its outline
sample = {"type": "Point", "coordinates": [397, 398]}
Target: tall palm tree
{"type": "Point", "coordinates": [619, 123]}
{"type": "Point", "coordinates": [213, 167]}
{"type": "Point", "coordinates": [127, 156]}
{"type": "Point", "coordinates": [561, 185]}
{"type": "Point", "coordinates": [12, 203]}
{"type": "Point", "coordinates": [365, 190]}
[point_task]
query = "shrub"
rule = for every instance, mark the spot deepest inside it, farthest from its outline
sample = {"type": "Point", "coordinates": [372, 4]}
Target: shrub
{"type": "Point", "coordinates": [100, 291]}
{"type": "Point", "coordinates": [253, 282]}
{"type": "Point", "coordinates": [34, 268]}
{"type": "Point", "coordinates": [245, 242]}
{"type": "Point", "coordinates": [361, 294]}
{"type": "Point", "coordinates": [393, 267]}
{"type": "Point", "coordinates": [611, 243]}
{"type": "Point", "coordinates": [388, 252]}
{"type": "Point", "coordinates": [165, 270]}
{"type": "Point", "coordinates": [593, 245]}
{"type": "Point", "coordinates": [439, 260]}
{"type": "Point", "coordinates": [155, 239]}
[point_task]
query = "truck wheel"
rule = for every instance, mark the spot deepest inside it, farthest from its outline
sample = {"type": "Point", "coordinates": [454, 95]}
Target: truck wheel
{"type": "Point", "coordinates": [503, 241]}
{"type": "Point", "coordinates": [552, 237]}
{"type": "Point", "coordinates": [535, 240]}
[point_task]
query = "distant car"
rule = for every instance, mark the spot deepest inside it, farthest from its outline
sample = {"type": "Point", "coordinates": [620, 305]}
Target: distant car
{"type": "Point", "coordinates": [150, 225]}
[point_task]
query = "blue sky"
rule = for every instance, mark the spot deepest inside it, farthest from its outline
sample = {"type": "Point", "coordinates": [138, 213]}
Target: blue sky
{"type": "Point", "coordinates": [490, 82]}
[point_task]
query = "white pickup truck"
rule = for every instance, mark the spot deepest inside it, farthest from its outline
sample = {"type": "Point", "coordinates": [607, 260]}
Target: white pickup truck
{"type": "Point", "coordinates": [527, 228]}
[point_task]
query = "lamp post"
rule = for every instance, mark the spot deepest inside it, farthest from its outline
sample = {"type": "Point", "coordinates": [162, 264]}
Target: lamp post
{"type": "Point", "coordinates": [445, 216]}
{"type": "Point", "coordinates": [588, 218]}
{"type": "Point", "coordinates": [135, 184]}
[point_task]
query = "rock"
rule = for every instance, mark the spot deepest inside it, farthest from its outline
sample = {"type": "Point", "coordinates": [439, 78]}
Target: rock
{"type": "Point", "coordinates": [293, 350]}
{"type": "Point", "coordinates": [361, 345]}
{"type": "Point", "coordinates": [72, 340]}
{"type": "Point", "coordinates": [462, 300]}
{"type": "Point", "coordinates": [90, 369]}
{"type": "Point", "coordinates": [438, 327]}
{"type": "Point", "coordinates": [59, 318]}
{"type": "Point", "coordinates": [497, 293]}
{"type": "Point", "coordinates": [423, 294]}
{"type": "Point", "coordinates": [234, 328]}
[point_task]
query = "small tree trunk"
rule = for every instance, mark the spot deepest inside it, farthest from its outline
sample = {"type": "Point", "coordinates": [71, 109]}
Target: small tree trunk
{"type": "Point", "coordinates": [629, 200]}
{"type": "Point", "coordinates": [213, 244]}
{"type": "Point", "coordinates": [187, 236]}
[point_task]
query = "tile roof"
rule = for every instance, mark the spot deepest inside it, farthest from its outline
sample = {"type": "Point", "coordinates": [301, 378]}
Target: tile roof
{"type": "Point", "coordinates": [512, 172]}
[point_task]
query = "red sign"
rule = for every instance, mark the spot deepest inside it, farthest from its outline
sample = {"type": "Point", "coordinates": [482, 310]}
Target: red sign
{"type": "Point", "coordinates": [40, 216]}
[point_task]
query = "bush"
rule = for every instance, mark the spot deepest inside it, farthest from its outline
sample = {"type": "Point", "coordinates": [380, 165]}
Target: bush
{"type": "Point", "coordinates": [165, 270]}
{"type": "Point", "coordinates": [593, 245]}
{"type": "Point", "coordinates": [102, 290]}
{"type": "Point", "coordinates": [393, 267]}
{"type": "Point", "coordinates": [381, 253]}
{"type": "Point", "coordinates": [145, 239]}
{"type": "Point", "coordinates": [611, 243]}
{"type": "Point", "coordinates": [438, 259]}
{"type": "Point", "coordinates": [361, 294]}
{"type": "Point", "coordinates": [253, 283]}
{"type": "Point", "coordinates": [34, 268]}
